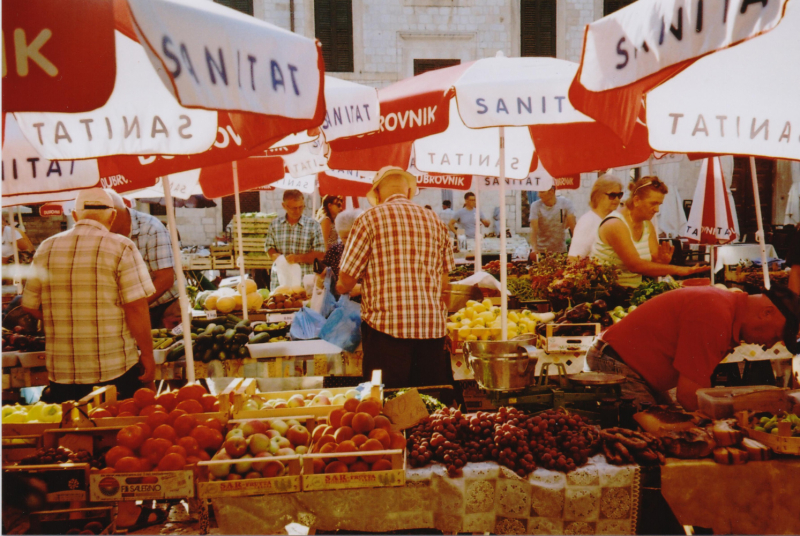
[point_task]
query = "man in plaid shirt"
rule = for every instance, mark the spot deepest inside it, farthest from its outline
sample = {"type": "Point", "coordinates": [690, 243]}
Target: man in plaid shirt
{"type": "Point", "coordinates": [155, 245]}
{"type": "Point", "coordinates": [404, 255]}
{"type": "Point", "coordinates": [90, 290]}
{"type": "Point", "coordinates": [296, 237]}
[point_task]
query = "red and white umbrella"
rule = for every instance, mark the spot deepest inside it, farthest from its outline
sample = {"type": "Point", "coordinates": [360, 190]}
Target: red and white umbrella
{"type": "Point", "coordinates": [711, 220]}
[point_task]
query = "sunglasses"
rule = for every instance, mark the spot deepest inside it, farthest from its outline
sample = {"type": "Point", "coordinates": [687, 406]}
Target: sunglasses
{"type": "Point", "coordinates": [615, 195]}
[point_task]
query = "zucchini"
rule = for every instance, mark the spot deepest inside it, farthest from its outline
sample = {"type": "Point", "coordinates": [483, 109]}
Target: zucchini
{"type": "Point", "coordinates": [241, 338]}
{"type": "Point", "coordinates": [260, 338]}
{"type": "Point", "coordinates": [233, 318]}
{"type": "Point", "coordinates": [210, 328]}
{"type": "Point", "coordinates": [176, 353]}
{"type": "Point", "coordinates": [243, 324]}
{"type": "Point", "coordinates": [229, 334]}
{"type": "Point", "coordinates": [219, 330]}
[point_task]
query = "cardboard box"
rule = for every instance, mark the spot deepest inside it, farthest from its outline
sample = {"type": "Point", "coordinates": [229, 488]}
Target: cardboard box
{"type": "Point", "coordinates": [570, 337]}
{"type": "Point", "coordinates": [141, 486]}
{"type": "Point", "coordinates": [64, 482]}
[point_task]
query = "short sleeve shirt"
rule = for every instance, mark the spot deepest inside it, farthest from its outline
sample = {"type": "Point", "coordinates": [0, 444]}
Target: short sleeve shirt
{"type": "Point", "coordinates": [681, 332]}
{"type": "Point", "coordinates": [552, 224]}
{"type": "Point", "coordinates": [91, 273]}
{"type": "Point", "coordinates": [155, 245]}
{"type": "Point", "coordinates": [466, 219]}
{"type": "Point", "coordinates": [401, 250]}
{"type": "Point", "coordinates": [303, 237]}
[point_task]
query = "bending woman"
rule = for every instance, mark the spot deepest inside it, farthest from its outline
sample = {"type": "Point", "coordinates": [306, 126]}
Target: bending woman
{"type": "Point", "coordinates": [627, 239]}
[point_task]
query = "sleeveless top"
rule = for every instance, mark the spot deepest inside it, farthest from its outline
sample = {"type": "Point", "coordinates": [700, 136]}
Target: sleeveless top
{"type": "Point", "coordinates": [605, 253]}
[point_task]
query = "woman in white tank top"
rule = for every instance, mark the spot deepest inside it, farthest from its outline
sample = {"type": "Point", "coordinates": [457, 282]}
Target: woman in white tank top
{"type": "Point", "coordinates": [626, 238]}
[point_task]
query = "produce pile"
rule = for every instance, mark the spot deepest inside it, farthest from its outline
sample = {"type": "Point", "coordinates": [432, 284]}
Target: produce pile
{"type": "Point", "coordinates": [64, 455]}
{"type": "Point", "coordinates": [521, 288]}
{"type": "Point", "coordinates": [287, 298]}
{"type": "Point", "coordinates": [651, 289]}
{"type": "Point", "coordinates": [320, 398]}
{"type": "Point", "coordinates": [354, 430]}
{"type": "Point", "coordinates": [174, 435]}
{"type": "Point", "coordinates": [145, 402]}
{"type": "Point", "coordinates": [38, 412]}
{"type": "Point", "coordinates": [481, 321]}
{"type": "Point", "coordinates": [553, 439]}
{"type": "Point", "coordinates": [226, 300]}
{"type": "Point", "coordinates": [513, 269]}
{"type": "Point", "coordinates": [622, 446]}
{"type": "Point", "coordinates": [222, 338]}
{"type": "Point", "coordinates": [17, 341]}
{"type": "Point", "coordinates": [250, 445]}
{"type": "Point", "coordinates": [768, 423]}
{"type": "Point", "coordinates": [581, 314]}
{"type": "Point", "coordinates": [460, 272]}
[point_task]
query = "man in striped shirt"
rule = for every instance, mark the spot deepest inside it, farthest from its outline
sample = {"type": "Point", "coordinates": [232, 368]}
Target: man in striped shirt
{"type": "Point", "coordinates": [403, 253]}
{"type": "Point", "coordinates": [90, 289]}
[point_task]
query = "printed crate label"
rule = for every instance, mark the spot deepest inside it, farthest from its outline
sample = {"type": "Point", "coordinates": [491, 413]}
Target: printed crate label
{"type": "Point", "coordinates": [366, 479]}
{"type": "Point", "coordinates": [244, 487]}
{"type": "Point", "coordinates": [134, 486]}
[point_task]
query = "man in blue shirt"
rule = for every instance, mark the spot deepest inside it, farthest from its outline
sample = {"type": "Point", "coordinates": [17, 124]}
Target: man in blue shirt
{"type": "Point", "coordinates": [465, 217]}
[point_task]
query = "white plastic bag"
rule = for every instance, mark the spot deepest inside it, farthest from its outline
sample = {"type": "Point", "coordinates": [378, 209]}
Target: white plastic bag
{"type": "Point", "coordinates": [289, 275]}
{"type": "Point", "coordinates": [309, 280]}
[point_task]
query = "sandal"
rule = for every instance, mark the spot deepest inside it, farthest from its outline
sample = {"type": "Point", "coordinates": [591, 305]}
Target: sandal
{"type": "Point", "coordinates": [143, 520]}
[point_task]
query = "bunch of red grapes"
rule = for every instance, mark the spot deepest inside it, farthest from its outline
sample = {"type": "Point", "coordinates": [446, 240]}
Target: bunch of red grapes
{"type": "Point", "coordinates": [553, 439]}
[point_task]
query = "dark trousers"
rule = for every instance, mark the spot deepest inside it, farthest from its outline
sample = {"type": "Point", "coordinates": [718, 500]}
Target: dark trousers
{"type": "Point", "coordinates": [405, 362]}
{"type": "Point", "coordinates": [126, 385]}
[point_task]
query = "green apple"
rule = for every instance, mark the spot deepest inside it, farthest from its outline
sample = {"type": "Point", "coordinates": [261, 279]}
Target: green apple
{"type": "Point", "coordinates": [352, 393]}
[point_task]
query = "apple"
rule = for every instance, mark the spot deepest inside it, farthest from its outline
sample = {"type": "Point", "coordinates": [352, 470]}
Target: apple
{"type": "Point", "coordinates": [272, 433]}
{"type": "Point", "coordinates": [296, 401]}
{"type": "Point", "coordinates": [338, 400]}
{"type": "Point", "coordinates": [220, 470]}
{"type": "Point", "coordinates": [292, 422]}
{"type": "Point", "coordinates": [270, 403]}
{"type": "Point", "coordinates": [280, 405]}
{"type": "Point", "coordinates": [51, 413]}
{"type": "Point", "coordinates": [278, 443]}
{"type": "Point", "coordinates": [298, 435]}
{"type": "Point", "coordinates": [325, 393]}
{"type": "Point", "coordinates": [352, 393]}
{"type": "Point", "coordinates": [250, 405]}
{"type": "Point", "coordinates": [258, 443]}
{"type": "Point", "coordinates": [236, 432]}
{"type": "Point", "coordinates": [254, 427]}
{"type": "Point", "coordinates": [260, 465]}
{"type": "Point", "coordinates": [236, 446]}
{"type": "Point", "coordinates": [274, 468]}
{"type": "Point", "coordinates": [280, 426]}
{"type": "Point", "coordinates": [252, 474]}
{"type": "Point", "coordinates": [279, 400]}
{"type": "Point", "coordinates": [301, 449]}
{"type": "Point", "coordinates": [321, 400]}
{"type": "Point", "coordinates": [234, 476]}
{"type": "Point", "coordinates": [243, 465]}
{"type": "Point", "coordinates": [286, 452]}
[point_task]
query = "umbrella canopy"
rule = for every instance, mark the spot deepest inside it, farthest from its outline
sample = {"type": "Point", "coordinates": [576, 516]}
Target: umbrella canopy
{"type": "Point", "coordinates": [635, 49]}
{"type": "Point", "coordinates": [758, 112]}
{"type": "Point", "coordinates": [711, 220]}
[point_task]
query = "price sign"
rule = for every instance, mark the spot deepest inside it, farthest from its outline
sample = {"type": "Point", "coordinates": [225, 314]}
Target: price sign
{"type": "Point", "coordinates": [177, 330]}
{"type": "Point", "coordinates": [211, 315]}
{"type": "Point", "coordinates": [280, 317]}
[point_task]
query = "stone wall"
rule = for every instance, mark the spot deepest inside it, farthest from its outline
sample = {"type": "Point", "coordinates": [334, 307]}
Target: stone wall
{"type": "Point", "coordinates": [38, 228]}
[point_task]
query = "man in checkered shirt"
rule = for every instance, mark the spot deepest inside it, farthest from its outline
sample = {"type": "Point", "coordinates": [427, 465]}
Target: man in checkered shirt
{"type": "Point", "coordinates": [404, 255]}
{"type": "Point", "coordinates": [296, 237]}
{"type": "Point", "coordinates": [155, 245]}
{"type": "Point", "coordinates": [90, 289]}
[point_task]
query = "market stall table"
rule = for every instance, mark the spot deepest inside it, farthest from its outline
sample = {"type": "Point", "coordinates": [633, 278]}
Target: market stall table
{"type": "Point", "coordinates": [755, 498]}
{"type": "Point", "coordinates": [732, 254]}
{"type": "Point", "coordinates": [597, 498]}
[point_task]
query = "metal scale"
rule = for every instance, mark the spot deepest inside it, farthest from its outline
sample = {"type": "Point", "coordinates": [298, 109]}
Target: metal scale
{"type": "Point", "coordinates": [505, 369]}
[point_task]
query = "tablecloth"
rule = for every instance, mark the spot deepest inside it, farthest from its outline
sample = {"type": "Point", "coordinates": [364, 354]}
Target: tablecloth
{"type": "Point", "coordinates": [597, 498]}
{"type": "Point", "coordinates": [733, 253]}
{"type": "Point", "coordinates": [755, 498]}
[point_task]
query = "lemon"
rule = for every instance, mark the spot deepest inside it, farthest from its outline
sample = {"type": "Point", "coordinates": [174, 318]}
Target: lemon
{"type": "Point", "coordinates": [475, 338]}
{"type": "Point", "coordinates": [487, 303]}
{"type": "Point", "coordinates": [464, 332]}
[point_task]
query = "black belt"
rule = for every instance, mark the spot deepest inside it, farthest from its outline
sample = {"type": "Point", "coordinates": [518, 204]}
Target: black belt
{"type": "Point", "coordinates": [607, 350]}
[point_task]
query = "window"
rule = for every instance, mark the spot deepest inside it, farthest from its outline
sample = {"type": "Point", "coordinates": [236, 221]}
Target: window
{"type": "Point", "coordinates": [538, 28]}
{"type": "Point", "coordinates": [245, 6]}
{"type": "Point", "coordinates": [423, 66]}
{"type": "Point", "coordinates": [610, 6]}
{"type": "Point", "coordinates": [333, 26]}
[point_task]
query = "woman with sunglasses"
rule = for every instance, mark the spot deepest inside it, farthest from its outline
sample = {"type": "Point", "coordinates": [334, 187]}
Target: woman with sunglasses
{"type": "Point", "coordinates": [326, 215]}
{"type": "Point", "coordinates": [627, 239]}
{"type": "Point", "coordinates": [604, 199]}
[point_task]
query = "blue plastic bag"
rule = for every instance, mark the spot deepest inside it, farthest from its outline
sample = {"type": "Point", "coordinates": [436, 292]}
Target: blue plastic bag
{"type": "Point", "coordinates": [306, 325]}
{"type": "Point", "coordinates": [343, 327]}
{"type": "Point", "coordinates": [322, 299]}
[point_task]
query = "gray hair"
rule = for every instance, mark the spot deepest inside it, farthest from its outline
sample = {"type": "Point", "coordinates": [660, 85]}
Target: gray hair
{"type": "Point", "coordinates": [345, 219]}
{"type": "Point", "coordinates": [604, 184]}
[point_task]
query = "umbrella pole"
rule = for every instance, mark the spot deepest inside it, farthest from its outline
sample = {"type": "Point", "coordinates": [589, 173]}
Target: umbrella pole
{"type": "Point", "coordinates": [182, 296]}
{"type": "Point", "coordinates": [478, 255]}
{"type": "Point", "coordinates": [240, 256]}
{"type": "Point", "coordinates": [503, 270]}
{"type": "Point", "coordinates": [711, 260]}
{"type": "Point", "coordinates": [760, 233]}
{"type": "Point", "coordinates": [15, 271]}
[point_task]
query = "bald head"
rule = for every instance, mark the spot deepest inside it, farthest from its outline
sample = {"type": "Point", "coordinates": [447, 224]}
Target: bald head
{"type": "Point", "coordinates": [122, 223]}
{"type": "Point", "coordinates": [391, 185]}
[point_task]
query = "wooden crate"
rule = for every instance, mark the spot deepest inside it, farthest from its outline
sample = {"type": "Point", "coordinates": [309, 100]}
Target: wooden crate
{"type": "Point", "coordinates": [247, 390]}
{"type": "Point", "coordinates": [199, 263]}
{"type": "Point", "coordinates": [289, 483]}
{"type": "Point", "coordinates": [61, 521]}
{"type": "Point", "coordinates": [64, 482]}
{"type": "Point", "coordinates": [396, 476]}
